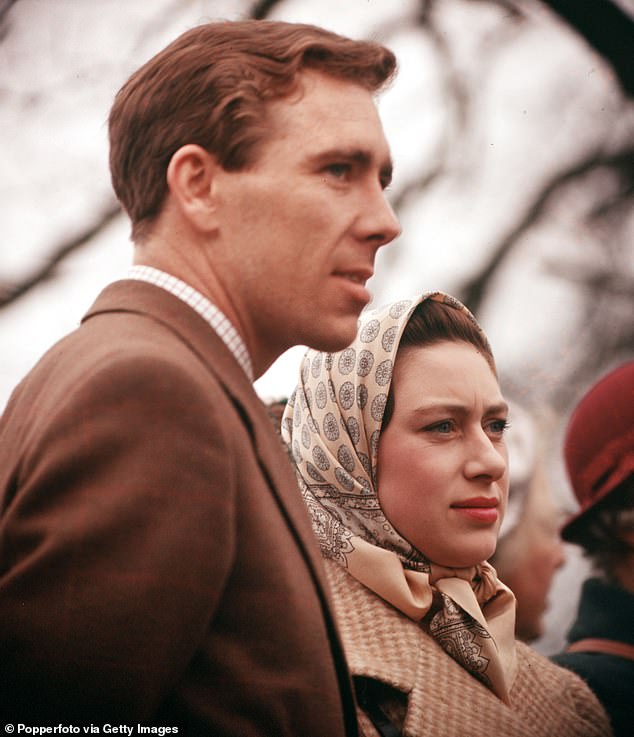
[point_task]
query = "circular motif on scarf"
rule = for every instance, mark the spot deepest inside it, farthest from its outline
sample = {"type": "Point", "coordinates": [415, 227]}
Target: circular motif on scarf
{"type": "Point", "coordinates": [377, 408]}
{"type": "Point", "coordinates": [388, 339]}
{"type": "Point", "coordinates": [314, 473]}
{"type": "Point", "coordinates": [383, 372]}
{"type": "Point", "coordinates": [362, 396]}
{"type": "Point", "coordinates": [312, 424]}
{"type": "Point", "coordinates": [320, 458]}
{"type": "Point", "coordinates": [346, 395]}
{"type": "Point", "coordinates": [364, 483]}
{"type": "Point", "coordinates": [288, 424]}
{"type": "Point", "coordinates": [332, 391]}
{"type": "Point", "coordinates": [321, 395]}
{"type": "Point", "coordinates": [302, 401]}
{"type": "Point", "coordinates": [331, 428]}
{"type": "Point", "coordinates": [399, 308]}
{"type": "Point", "coordinates": [345, 457]}
{"type": "Point", "coordinates": [365, 462]}
{"type": "Point", "coordinates": [328, 361]}
{"type": "Point", "coordinates": [316, 366]}
{"type": "Point", "coordinates": [344, 478]}
{"type": "Point", "coordinates": [347, 360]}
{"type": "Point", "coordinates": [374, 443]}
{"type": "Point", "coordinates": [365, 363]}
{"type": "Point", "coordinates": [370, 331]}
{"type": "Point", "coordinates": [305, 436]}
{"type": "Point", "coordinates": [353, 430]}
{"type": "Point", "coordinates": [309, 398]}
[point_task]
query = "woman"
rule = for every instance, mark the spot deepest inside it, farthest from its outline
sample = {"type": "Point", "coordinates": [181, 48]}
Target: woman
{"type": "Point", "coordinates": [599, 455]}
{"type": "Point", "coordinates": [529, 550]}
{"type": "Point", "coordinates": [402, 465]}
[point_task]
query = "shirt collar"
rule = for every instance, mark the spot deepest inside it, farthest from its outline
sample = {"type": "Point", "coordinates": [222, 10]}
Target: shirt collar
{"type": "Point", "coordinates": [212, 315]}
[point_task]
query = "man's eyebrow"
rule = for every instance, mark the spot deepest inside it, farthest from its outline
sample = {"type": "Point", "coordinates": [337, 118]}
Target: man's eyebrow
{"type": "Point", "coordinates": [497, 409]}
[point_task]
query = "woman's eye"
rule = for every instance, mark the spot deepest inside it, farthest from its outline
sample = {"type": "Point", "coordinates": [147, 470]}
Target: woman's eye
{"type": "Point", "coordinates": [444, 427]}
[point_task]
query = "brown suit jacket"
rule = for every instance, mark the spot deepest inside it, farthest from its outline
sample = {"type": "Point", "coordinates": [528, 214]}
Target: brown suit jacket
{"type": "Point", "coordinates": [156, 560]}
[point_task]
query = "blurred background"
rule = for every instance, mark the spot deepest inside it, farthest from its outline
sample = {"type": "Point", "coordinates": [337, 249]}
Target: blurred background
{"type": "Point", "coordinates": [512, 130]}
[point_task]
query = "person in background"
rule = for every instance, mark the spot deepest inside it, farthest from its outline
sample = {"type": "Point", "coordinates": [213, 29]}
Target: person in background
{"type": "Point", "coordinates": [157, 563]}
{"type": "Point", "coordinates": [599, 456]}
{"type": "Point", "coordinates": [400, 453]}
{"type": "Point", "coordinates": [529, 549]}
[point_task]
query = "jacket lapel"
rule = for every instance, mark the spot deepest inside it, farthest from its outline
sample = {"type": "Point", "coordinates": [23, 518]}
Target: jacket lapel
{"type": "Point", "coordinates": [139, 297]}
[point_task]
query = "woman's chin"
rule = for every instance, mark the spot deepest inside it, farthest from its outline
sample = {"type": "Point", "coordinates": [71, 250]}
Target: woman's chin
{"type": "Point", "coordinates": [467, 558]}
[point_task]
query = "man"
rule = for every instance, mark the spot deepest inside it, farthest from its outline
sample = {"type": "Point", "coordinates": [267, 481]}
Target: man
{"type": "Point", "coordinates": [599, 455]}
{"type": "Point", "coordinates": [157, 563]}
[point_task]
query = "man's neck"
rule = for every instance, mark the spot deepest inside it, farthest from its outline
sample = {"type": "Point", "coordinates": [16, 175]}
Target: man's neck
{"type": "Point", "coordinates": [209, 285]}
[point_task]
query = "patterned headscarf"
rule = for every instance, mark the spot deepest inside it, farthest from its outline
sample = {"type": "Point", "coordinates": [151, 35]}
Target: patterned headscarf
{"type": "Point", "coordinates": [332, 424]}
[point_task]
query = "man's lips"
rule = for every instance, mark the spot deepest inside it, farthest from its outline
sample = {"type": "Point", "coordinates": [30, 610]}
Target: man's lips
{"type": "Point", "coordinates": [358, 276]}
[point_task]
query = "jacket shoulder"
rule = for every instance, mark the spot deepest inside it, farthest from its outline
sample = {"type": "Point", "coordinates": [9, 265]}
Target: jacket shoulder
{"type": "Point", "coordinates": [564, 699]}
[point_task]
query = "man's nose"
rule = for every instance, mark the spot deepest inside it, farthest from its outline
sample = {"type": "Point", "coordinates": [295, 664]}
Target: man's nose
{"type": "Point", "coordinates": [381, 224]}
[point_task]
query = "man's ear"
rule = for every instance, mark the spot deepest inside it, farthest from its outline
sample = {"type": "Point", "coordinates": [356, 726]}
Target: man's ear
{"type": "Point", "coordinates": [190, 179]}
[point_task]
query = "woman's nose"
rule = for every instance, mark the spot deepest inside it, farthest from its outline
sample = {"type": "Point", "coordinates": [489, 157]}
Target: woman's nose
{"type": "Point", "coordinates": [485, 458]}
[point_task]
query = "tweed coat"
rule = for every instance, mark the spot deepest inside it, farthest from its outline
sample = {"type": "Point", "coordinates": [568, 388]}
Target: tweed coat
{"type": "Point", "coordinates": [156, 560]}
{"type": "Point", "coordinates": [441, 698]}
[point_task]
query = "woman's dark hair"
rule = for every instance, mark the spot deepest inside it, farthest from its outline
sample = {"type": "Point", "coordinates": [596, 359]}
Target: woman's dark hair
{"type": "Point", "coordinates": [600, 533]}
{"type": "Point", "coordinates": [434, 322]}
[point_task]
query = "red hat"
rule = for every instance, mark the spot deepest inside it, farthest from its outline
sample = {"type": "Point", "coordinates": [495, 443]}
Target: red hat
{"type": "Point", "coordinates": [599, 443]}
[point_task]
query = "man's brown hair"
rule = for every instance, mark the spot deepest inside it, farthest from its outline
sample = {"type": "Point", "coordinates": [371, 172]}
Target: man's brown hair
{"type": "Point", "coordinates": [211, 87]}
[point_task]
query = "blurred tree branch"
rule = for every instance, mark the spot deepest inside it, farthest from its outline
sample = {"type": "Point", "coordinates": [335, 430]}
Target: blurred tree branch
{"type": "Point", "coordinates": [5, 6]}
{"type": "Point", "coordinates": [11, 292]}
{"type": "Point", "coordinates": [604, 334]}
{"type": "Point", "coordinates": [262, 8]}
{"type": "Point", "coordinates": [475, 289]}
{"type": "Point", "coordinates": [607, 28]}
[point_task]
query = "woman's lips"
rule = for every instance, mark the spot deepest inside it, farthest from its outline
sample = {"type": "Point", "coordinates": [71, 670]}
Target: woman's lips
{"type": "Point", "coordinates": [482, 509]}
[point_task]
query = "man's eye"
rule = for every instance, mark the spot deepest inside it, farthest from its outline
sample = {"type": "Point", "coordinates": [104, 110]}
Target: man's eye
{"type": "Point", "coordinates": [498, 426]}
{"type": "Point", "coordinates": [339, 170]}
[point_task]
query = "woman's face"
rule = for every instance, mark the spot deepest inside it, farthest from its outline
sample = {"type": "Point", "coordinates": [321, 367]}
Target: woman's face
{"type": "Point", "coordinates": [442, 463]}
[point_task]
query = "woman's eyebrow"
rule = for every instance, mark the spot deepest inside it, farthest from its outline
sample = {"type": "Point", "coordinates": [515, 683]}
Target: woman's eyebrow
{"type": "Point", "coordinates": [456, 408]}
{"type": "Point", "coordinates": [440, 406]}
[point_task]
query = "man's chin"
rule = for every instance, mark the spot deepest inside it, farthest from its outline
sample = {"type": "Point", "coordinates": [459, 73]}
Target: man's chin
{"type": "Point", "coordinates": [339, 338]}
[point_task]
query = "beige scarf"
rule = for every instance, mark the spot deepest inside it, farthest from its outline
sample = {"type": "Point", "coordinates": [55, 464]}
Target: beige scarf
{"type": "Point", "coordinates": [332, 423]}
